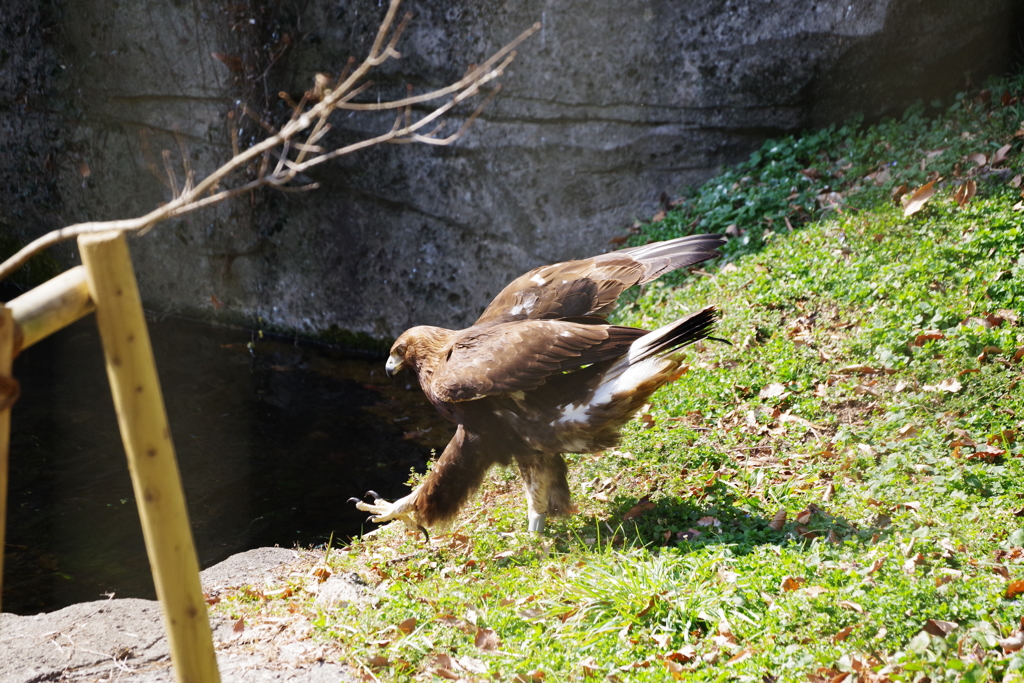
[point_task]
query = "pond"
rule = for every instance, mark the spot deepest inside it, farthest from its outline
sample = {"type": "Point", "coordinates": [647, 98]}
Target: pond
{"type": "Point", "coordinates": [272, 437]}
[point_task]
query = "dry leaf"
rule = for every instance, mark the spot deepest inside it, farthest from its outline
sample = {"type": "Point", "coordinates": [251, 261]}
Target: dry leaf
{"type": "Point", "coordinates": [919, 198]}
{"type": "Point", "coordinates": [486, 640]}
{"type": "Point", "coordinates": [815, 591]}
{"type": "Point", "coordinates": [949, 385]}
{"type": "Point", "coordinates": [407, 626]}
{"type": "Point", "coordinates": [589, 666]}
{"type": "Point", "coordinates": [791, 583]}
{"type": "Point", "coordinates": [642, 506]}
{"type": "Point", "coordinates": [965, 192]}
{"type": "Point", "coordinates": [842, 634]}
{"type": "Point", "coordinates": [1000, 155]}
{"type": "Point", "coordinates": [778, 521]}
{"type": "Point", "coordinates": [939, 628]}
{"type": "Point", "coordinates": [662, 639]}
{"type": "Point", "coordinates": [682, 655]}
{"type": "Point", "coordinates": [1014, 589]}
{"type": "Point", "coordinates": [907, 431]}
{"type": "Point", "coordinates": [857, 369]}
{"type": "Point", "coordinates": [473, 666]}
{"type": "Point", "coordinates": [772, 390]}
{"type": "Point", "coordinates": [978, 158]}
{"type": "Point", "coordinates": [849, 604]}
{"type": "Point", "coordinates": [1012, 643]}
{"type": "Point", "coordinates": [740, 656]}
{"type": "Point", "coordinates": [928, 335]}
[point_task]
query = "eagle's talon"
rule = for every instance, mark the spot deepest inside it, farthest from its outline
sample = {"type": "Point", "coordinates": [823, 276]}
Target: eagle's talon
{"type": "Point", "coordinates": [372, 494]}
{"type": "Point", "coordinates": [353, 499]}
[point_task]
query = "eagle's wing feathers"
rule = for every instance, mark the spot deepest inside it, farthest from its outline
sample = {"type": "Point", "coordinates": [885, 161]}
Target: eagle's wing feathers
{"type": "Point", "coordinates": [589, 287]}
{"type": "Point", "coordinates": [520, 356]}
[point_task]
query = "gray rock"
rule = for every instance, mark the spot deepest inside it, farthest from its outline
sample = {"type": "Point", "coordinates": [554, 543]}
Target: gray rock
{"type": "Point", "coordinates": [342, 589]}
{"type": "Point", "coordinates": [125, 638]}
{"type": "Point", "coordinates": [606, 108]}
{"type": "Point", "coordinates": [249, 568]}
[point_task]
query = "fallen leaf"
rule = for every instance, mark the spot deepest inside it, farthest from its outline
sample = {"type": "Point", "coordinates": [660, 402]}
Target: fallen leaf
{"type": "Point", "coordinates": [1014, 589]}
{"type": "Point", "coordinates": [857, 369]}
{"type": "Point", "coordinates": [746, 653]}
{"type": "Point", "coordinates": [685, 654]}
{"type": "Point", "coordinates": [778, 521]}
{"type": "Point", "coordinates": [951, 385]}
{"type": "Point", "coordinates": [1012, 643]}
{"type": "Point", "coordinates": [849, 604]}
{"type": "Point", "coordinates": [1000, 155]}
{"type": "Point", "coordinates": [907, 431]}
{"type": "Point", "coordinates": [407, 626]}
{"type": "Point", "coordinates": [791, 583]}
{"type": "Point", "coordinates": [486, 640]}
{"type": "Point", "coordinates": [377, 662]}
{"type": "Point", "coordinates": [589, 666]}
{"type": "Point", "coordinates": [662, 639]}
{"type": "Point", "coordinates": [978, 158]}
{"type": "Point", "coordinates": [642, 506]}
{"type": "Point", "coordinates": [842, 635]}
{"type": "Point", "coordinates": [876, 565]}
{"type": "Point", "coordinates": [965, 192]}
{"type": "Point", "coordinates": [918, 199]}
{"type": "Point", "coordinates": [937, 627]}
{"type": "Point", "coordinates": [772, 390]}
{"type": "Point", "coordinates": [928, 335]}
{"type": "Point", "coordinates": [815, 591]}
{"type": "Point", "coordinates": [473, 666]}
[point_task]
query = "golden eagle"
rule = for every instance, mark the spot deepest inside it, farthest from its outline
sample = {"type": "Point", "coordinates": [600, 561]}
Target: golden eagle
{"type": "Point", "coordinates": [542, 373]}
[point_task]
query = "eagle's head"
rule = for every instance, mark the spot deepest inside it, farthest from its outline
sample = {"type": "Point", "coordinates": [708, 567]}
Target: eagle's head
{"type": "Point", "coordinates": [415, 346]}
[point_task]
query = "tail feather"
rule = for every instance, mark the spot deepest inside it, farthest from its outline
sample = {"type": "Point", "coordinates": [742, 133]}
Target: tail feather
{"type": "Point", "coordinates": [688, 330]}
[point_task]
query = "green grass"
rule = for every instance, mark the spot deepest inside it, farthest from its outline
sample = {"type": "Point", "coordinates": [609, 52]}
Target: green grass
{"type": "Point", "coordinates": [818, 499]}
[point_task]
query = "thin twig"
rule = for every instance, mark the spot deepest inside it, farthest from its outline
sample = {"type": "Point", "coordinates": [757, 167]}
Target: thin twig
{"type": "Point", "coordinates": [308, 153]}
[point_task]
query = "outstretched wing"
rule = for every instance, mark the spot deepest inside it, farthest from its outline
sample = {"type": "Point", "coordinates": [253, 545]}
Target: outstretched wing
{"type": "Point", "coordinates": [519, 356]}
{"type": "Point", "coordinates": [589, 287]}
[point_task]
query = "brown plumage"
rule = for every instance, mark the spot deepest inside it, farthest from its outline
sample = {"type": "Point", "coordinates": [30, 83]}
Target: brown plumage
{"type": "Point", "coordinates": [542, 373]}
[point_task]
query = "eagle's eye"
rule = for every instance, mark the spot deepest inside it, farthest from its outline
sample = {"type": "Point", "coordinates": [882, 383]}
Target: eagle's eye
{"type": "Point", "coordinates": [400, 351]}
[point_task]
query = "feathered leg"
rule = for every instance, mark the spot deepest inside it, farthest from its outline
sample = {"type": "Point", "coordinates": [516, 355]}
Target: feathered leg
{"type": "Point", "coordinates": [438, 498]}
{"type": "Point", "coordinates": [546, 486]}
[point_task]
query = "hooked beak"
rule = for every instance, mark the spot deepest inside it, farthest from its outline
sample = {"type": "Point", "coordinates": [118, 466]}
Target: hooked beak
{"type": "Point", "coordinates": [393, 365]}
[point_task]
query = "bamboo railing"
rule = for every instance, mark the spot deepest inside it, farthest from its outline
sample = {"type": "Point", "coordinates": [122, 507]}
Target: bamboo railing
{"type": "Point", "coordinates": [105, 283]}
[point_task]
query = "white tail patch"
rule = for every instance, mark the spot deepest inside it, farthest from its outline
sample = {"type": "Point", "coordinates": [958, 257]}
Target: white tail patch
{"type": "Point", "coordinates": [622, 379]}
{"type": "Point", "coordinates": [644, 343]}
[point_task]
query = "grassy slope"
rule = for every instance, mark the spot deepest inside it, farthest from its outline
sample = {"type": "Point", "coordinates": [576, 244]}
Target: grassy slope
{"type": "Point", "coordinates": [801, 504]}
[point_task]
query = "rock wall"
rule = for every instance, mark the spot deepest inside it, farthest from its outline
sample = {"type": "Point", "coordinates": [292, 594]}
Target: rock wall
{"type": "Point", "coordinates": [607, 107]}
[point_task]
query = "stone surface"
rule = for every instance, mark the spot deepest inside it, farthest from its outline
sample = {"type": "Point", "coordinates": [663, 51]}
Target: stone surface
{"type": "Point", "coordinates": [605, 109]}
{"type": "Point", "coordinates": [124, 639]}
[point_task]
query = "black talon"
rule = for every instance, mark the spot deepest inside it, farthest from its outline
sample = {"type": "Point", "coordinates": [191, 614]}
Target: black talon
{"type": "Point", "coordinates": [371, 493]}
{"type": "Point", "coordinates": [370, 518]}
{"type": "Point", "coordinates": [353, 499]}
{"type": "Point", "coordinates": [426, 534]}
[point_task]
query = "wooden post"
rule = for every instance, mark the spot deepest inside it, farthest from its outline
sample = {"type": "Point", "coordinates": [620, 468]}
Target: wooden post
{"type": "Point", "coordinates": [51, 306]}
{"type": "Point", "coordinates": [8, 395]}
{"type": "Point", "coordinates": [151, 461]}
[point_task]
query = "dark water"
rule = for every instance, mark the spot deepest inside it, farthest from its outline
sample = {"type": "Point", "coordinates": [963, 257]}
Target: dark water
{"type": "Point", "coordinates": [271, 440]}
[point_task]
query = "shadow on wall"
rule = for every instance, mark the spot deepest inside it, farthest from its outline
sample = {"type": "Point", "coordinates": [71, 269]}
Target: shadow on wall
{"type": "Point", "coordinates": [604, 110]}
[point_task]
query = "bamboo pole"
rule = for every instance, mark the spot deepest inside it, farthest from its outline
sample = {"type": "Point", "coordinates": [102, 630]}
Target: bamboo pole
{"type": "Point", "coordinates": [151, 461]}
{"type": "Point", "coordinates": [8, 395]}
{"type": "Point", "coordinates": [51, 306]}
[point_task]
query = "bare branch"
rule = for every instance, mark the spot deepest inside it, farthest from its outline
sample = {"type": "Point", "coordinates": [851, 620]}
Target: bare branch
{"type": "Point", "coordinates": [294, 156]}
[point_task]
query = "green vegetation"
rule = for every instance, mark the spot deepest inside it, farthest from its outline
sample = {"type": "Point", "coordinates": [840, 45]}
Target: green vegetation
{"type": "Point", "coordinates": [839, 496]}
